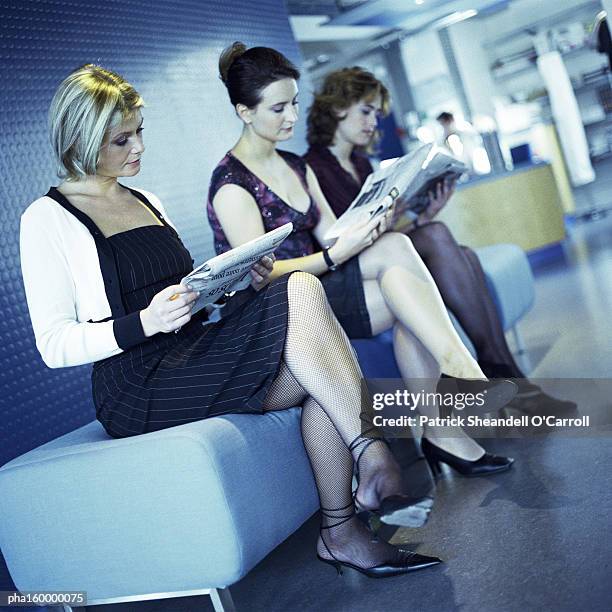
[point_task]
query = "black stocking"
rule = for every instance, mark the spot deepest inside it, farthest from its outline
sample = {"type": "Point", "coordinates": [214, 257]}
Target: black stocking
{"type": "Point", "coordinates": [501, 354]}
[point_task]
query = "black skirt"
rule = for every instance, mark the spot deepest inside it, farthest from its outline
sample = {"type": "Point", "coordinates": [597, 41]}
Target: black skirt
{"type": "Point", "coordinates": [344, 290]}
{"type": "Point", "coordinates": [201, 371]}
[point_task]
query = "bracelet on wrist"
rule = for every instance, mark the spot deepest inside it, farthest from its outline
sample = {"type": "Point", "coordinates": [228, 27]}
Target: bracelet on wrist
{"type": "Point", "coordinates": [329, 261]}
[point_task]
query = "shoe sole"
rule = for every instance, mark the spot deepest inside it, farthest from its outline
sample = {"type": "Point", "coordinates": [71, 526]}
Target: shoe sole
{"type": "Point", "coordinates": [409, 516]}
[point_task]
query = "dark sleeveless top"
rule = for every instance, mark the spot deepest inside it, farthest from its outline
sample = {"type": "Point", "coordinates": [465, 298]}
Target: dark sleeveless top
{"type": "Point", "coordinates": [338, 186]}
{"type": "Point", "coordinates": [148, 259]}
{"type": "Point", "coordinates": [274, 211]}
{"type": "Point", "coordinates": [344, 287]}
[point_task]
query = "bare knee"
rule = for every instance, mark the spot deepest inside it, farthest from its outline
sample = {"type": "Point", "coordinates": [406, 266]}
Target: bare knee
{"type": "Point", "coordinates": [391, 245]}
{"type": "Point", "coordinates": [391, 249]}
{"type": "Point", "coordinates": [394, 241]}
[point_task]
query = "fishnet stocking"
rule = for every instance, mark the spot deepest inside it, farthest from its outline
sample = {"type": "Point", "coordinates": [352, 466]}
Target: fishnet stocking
{"type": "Point", "coordinates": [319, 364]}
{"type": "Point", "coordinates": [343, 536]}
{"type": "Point", "coordinates": [285, 391]}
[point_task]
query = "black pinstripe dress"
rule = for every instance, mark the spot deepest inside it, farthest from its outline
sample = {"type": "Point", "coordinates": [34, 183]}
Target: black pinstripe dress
{"type": "Point", "coordinates": [201, 371]}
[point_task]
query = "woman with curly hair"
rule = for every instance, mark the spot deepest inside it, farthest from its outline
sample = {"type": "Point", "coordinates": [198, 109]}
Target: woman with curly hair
{"type": "Point", "coordinates": [342, 129]}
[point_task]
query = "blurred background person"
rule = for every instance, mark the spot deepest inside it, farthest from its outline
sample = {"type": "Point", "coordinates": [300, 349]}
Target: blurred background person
{"type": "Point", "coordinates": [464, 142]}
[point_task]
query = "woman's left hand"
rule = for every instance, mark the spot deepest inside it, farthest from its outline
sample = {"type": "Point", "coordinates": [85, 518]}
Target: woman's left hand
{"type": "Point", "coordinates": [438, 200]}
{"type": "Point", "coordinates": [261, 271]}
{"type": "Point", "coordinates": [387, 221]}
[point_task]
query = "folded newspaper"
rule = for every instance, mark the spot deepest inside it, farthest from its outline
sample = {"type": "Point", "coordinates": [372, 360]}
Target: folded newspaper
{"type": "Point", "coordinates": [408, 180]}
{"type": "Point", "coordinates": [229, 271]}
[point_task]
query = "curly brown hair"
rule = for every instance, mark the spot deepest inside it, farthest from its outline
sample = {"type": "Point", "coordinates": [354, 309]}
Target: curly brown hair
{"type": "Point", "coordinates": [341, 89]}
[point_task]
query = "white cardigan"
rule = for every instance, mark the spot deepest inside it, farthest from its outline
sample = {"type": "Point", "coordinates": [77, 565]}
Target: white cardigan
{"type": "Point", "coordinates": [75, 307]}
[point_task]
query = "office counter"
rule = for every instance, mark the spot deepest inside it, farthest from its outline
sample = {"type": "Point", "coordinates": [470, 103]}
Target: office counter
{"type": "Point", "coordinates": [522, 206]}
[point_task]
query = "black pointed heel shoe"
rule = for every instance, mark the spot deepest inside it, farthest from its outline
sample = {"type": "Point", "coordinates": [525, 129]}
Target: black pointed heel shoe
{"type": "Point", "coordinates": [530, 399]}
{"type": "Point", "coordinates": [409, 561]}
{"type": "Point", "coordinates": [486, 465]}
{"type": "Point", "coordinates": [533, 401]}
{"type": "Point", "coordinates": [397, 510]}
{"type": "Point", "coordinates": [406, 561]}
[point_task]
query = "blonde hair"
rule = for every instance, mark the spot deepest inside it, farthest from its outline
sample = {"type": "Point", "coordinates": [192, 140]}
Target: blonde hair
{"type": "Point", "coordinates": [87, 104]}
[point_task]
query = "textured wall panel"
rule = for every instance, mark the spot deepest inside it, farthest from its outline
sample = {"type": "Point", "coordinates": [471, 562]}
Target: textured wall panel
{"type": "Point", "coordinates": [169, 51]}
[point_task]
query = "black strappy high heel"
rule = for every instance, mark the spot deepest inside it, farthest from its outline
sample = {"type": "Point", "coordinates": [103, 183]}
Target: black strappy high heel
{"type": "Point", "coordinates": [407, 561]}
{"type": "Point", "coordinates": [398, 510]}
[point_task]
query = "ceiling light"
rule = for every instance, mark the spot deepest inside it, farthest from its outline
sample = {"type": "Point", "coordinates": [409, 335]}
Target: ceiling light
{"type": "Point", "coordinates": [453, 18]}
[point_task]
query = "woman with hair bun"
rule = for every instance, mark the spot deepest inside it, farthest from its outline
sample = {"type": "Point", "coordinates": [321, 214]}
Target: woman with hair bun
{"type": "Point", "coordinates": [373, 279]}
{"type": "Point", "coordinates": [102, 267]}
{"type": "Point", "coordinates": [342, 127]}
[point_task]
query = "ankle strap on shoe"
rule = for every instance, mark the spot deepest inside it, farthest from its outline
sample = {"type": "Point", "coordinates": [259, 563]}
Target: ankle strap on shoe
{"type": "Point", "coordinates": [361, 443]}
{"type": "Point", "coordinates": [343, 518]}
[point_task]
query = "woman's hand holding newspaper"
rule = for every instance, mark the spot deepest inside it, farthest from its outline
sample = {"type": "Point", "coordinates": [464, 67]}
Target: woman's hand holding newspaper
{"type": "Point", "coordinates": [169, 310]}
{"type": "Point", "coordinates": [359, 236]}
{"type": "Point", "coordinates": [437, 200]}
{"type": "Point", "coordinates": [261, 271]}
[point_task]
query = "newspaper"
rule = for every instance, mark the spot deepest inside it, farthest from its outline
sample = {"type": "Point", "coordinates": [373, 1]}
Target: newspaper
{"type": "Point", "coordinates": [229, 272]}
{"type": "Point", "coordinates": [407, 181]}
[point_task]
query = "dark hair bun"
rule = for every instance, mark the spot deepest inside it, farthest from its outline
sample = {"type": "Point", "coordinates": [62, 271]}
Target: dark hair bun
{"type": "Point", "coordinates": [247, 72]}
{"type": "Point", "coordinates": [228, 57]}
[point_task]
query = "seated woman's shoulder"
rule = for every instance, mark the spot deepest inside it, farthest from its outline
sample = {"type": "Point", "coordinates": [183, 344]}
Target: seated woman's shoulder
{"type": "Point", "coordinates": [293, 159]}
{"type": "Point", "coordinates": [289, 155]}
{"type": "Point", "coordinates": [41, 207]}
{"type": "Point", "coordinates": [149, 195]}
{"type": "Point", "coordinates": [223, 172]}
{"type": "Point", "coordinates": [318, 157]}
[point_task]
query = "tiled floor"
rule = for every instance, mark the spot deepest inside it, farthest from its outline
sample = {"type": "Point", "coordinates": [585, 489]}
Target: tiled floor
{"type": "Point", "coordinates": [535, 538]}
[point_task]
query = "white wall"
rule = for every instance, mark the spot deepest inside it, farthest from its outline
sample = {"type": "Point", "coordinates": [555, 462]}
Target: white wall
{"type": "Point", "coordinates": [473, 63]}
{"type": "Point", "coordinates": [428, 73]}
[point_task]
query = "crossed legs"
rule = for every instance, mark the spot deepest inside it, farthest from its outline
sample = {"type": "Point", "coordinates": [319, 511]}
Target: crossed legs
{"type": "Point", "coordinates": [401, 293]}
{"type": "Point", "coordinates": [320, 371]}
{"type": "Point", "coordinates": [392, 268]}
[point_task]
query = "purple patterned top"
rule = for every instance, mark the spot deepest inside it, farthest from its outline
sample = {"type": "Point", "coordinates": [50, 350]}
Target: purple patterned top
{"type": "Point", "coordinates": [274, 211]}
